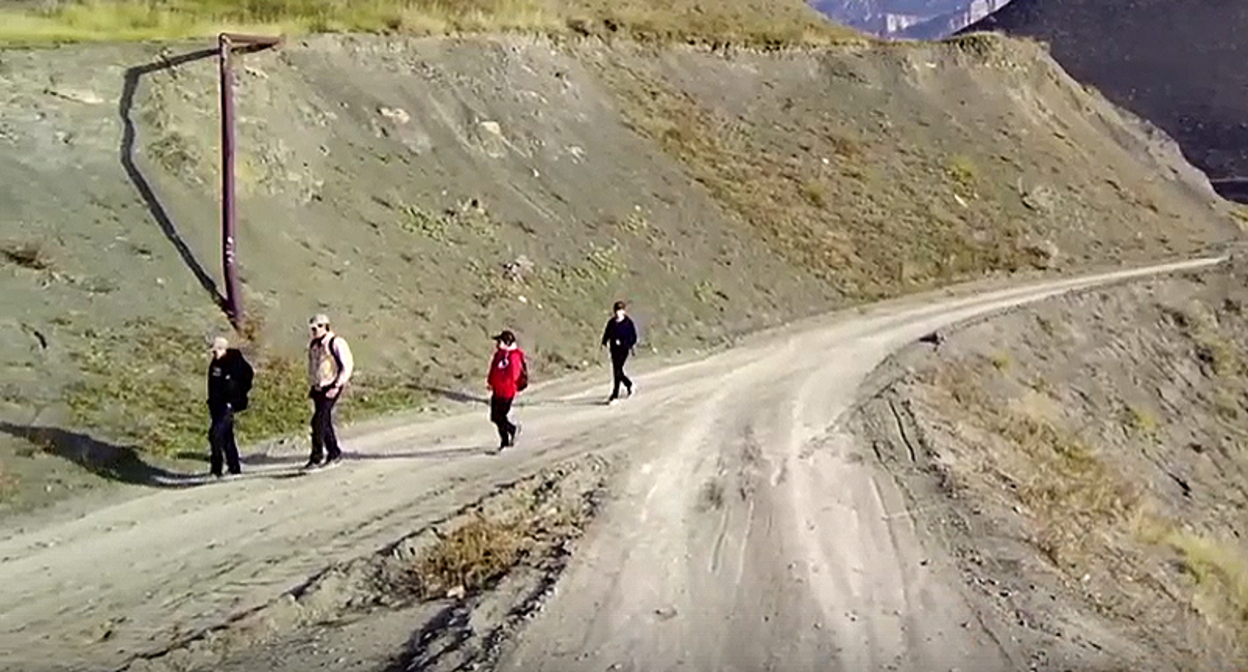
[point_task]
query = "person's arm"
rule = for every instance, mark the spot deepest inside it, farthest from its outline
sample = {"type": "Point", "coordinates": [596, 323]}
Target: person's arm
{"type": "Point", "coordinates": [606, 333]}
{"type": "Point", "coordinates": [632, 334]}
{"type": "Point", "coordinates": [346, 363]}
{"type": "Point", "coordinates": [312, 383]}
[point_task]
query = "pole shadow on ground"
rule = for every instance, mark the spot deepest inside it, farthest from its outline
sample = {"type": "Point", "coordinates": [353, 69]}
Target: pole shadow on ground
{"type": "Point", "coordinates": [128, 138]}
{"type": "Point", "coordinates": [154, 206]}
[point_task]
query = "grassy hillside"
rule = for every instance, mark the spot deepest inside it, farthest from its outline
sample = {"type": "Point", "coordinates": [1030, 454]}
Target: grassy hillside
{"type": "Point", "coordinates": [746, 21]}
{"type": "Point", "coordinates": [426, 192]}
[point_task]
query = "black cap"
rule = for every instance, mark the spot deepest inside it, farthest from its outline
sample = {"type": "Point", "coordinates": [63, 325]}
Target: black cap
{"type": "Point", "coordinates": [506, 337]}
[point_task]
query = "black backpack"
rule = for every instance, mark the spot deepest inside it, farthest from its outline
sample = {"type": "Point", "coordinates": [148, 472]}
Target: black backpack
{"type": "Point", "coordinates": [242, 383]}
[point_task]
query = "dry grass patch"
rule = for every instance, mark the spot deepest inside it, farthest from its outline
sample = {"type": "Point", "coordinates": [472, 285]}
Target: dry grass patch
{"type": "Point", "coordinates": [472, 555]}
{"type": "Point", "coordinates": [1220, 572]}
{"type": "Point", "coordinates": [9, 483]}
{"type": "Point", "coordinates": [750, 21]}
{"type": "Point", "coordinates": [528, 523]}
{"type": "Point", "coordinates": [1139, 421]}
{"type": "Point", "coordinates": [848, 222]}
{"type": "Point", "coordinates": [1073, 497]}
{"type": "Point", "coordinates": [124, 20]}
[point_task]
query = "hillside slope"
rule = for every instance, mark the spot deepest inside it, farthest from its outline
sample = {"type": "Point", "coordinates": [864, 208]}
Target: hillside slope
{"type": "Point", "coordinates": [1085, 459]}
{"type": "Point", "coordinates": [427, 192]}
{"type": "Point", "coordinates": [1178, 64]}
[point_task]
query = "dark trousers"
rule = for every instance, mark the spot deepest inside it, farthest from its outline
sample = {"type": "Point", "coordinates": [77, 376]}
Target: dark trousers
{"type": "Point", "coordinates": [499, 408]}
{"type": "Point", "coordinates": [618, 357]}
{"type": "Point", "coordinates": [323, 438]}
{"type": "Point", "coordinates": [221, 439]}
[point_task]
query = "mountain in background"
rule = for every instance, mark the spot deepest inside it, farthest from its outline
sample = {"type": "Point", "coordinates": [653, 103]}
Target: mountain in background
{"type": "Point", "coordinates": [908, 19]}
{"type": "Point", "coordinates": [1178, 63]}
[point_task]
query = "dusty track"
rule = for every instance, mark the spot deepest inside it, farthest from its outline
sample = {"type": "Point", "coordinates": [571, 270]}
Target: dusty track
{"type": "Point", "coordinates": [744, 535]}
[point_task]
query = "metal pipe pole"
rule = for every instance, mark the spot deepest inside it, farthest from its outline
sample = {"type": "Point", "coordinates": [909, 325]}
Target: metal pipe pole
{"type": "Point", "coordinates": [233, 304]}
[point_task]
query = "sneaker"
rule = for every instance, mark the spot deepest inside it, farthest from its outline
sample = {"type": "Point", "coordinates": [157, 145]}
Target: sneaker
{"type": "Point", "coordinates": [312, 464]}
{"type": "Point", "coordinates": [333, 461]}
{"type": "Point", "coordinates": [512, 440]}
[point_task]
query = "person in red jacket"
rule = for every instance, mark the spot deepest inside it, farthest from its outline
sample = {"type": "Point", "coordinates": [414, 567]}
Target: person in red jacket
{"type": "Point", "coordinates": [508, 376]}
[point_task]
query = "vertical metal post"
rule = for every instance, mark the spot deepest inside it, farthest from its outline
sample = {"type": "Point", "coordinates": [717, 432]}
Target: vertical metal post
{"type": "Point", "coordinates": [233, 301]}
{"type": "Point", "coordinates": [225, 45]}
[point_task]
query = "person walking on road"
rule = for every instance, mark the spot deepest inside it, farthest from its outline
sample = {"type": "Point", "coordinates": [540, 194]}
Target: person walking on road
{"type": "Point", "coordinates": [229, 381]}
{"type": "Point", "coordinates": [620, 337]}
{"type": "Point", "coordinates": [329, 370]}
{"type": "Point", "coordinates": [508, 376]}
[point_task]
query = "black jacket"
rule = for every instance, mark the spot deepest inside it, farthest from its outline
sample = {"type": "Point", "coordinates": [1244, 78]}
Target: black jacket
{"type": "Point", "coordinates": [229, 381]}
{"type": "Point", "coordinates": [621, 335]}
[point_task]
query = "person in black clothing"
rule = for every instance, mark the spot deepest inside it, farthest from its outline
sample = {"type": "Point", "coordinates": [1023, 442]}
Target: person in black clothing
{"type": "Point", "coordinates": [229, 381]}
{"type": "Point", "coordinates": [620, 337]}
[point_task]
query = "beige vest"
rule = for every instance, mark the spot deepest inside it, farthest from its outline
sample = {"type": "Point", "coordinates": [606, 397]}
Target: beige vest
{"type": "Point", "coordinates": [322, 367]}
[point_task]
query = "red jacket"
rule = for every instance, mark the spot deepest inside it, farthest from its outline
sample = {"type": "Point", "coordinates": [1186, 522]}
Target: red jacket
{"type": "Point", "coordinates": [505, 370]}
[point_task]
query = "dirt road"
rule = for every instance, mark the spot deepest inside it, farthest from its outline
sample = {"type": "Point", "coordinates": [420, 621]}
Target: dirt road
{"type": "Point", "coordinates": [746, 533]}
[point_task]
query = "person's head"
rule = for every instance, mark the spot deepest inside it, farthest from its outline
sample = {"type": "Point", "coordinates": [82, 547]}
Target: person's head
{"type": "Point", "coordinates": [318, 326]}
{"type": "Point", "coordinates": [218, 347]}
{"type": "Point", "coordinates": [618, 308]}
{"type": "Point", "coordinates": [505, 340]}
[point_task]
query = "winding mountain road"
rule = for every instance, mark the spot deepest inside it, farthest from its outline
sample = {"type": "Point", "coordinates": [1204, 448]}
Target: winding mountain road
{"type": "Point", "coordinates": [743, 535]}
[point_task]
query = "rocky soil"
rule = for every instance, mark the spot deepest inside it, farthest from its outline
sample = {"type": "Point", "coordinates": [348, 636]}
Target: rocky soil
{"type": "Point", "coordinates": [1084, 459]}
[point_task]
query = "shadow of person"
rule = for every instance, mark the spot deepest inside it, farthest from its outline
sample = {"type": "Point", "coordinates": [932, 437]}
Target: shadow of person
{"type": "Point", "coordinates": [116, 463]}
{"type": "Point", "coordinates": [452, 395]}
